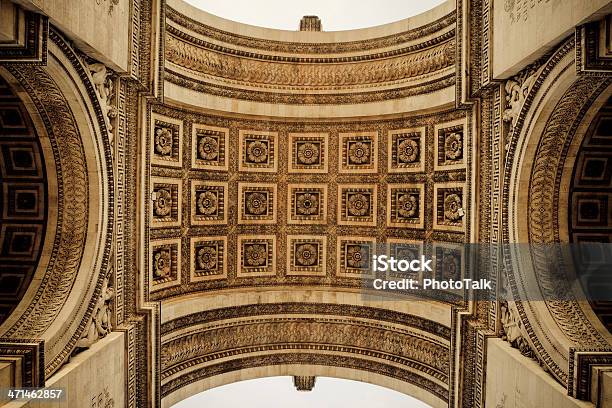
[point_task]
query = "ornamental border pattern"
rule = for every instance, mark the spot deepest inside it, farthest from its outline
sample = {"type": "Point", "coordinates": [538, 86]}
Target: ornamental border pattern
{"type": "Point", "coordinates": [424, 88]}
{"type": "Point", "coordinates": [326, 309]}
{"type": "Point", "coordinates": [202, 44]}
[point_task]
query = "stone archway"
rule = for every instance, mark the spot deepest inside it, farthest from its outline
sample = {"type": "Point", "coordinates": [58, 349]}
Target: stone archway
{"type": "Point", "coordinates": [548, 123]}
{"type": "Point", "coordinates": [57, 307]}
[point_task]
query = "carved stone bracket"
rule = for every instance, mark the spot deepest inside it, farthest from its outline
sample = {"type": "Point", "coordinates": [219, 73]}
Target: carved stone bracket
{"type": "Point", "coordinates": [304, 383]}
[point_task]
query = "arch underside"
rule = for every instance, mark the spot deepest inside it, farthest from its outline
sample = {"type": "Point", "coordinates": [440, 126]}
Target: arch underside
{"type": "Point", "coordinates": [405, 352]}
{"type": "Point", "coordinates": [57, 306]}
{"type": "Point", "coordinates": [259, 151]}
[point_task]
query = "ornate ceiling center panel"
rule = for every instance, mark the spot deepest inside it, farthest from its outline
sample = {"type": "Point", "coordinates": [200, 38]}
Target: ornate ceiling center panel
{"type": "Point", "coordinates": [238, 203]}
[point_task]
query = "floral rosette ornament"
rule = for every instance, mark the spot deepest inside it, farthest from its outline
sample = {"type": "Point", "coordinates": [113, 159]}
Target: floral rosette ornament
{"type": "Point", "coordinates": [408, 151]}
{"type": "Point", "coordinates": [453, 146]}
{"type": "Point", "coordinates": [307, 204]}
{"type": "Point", "coordinates": [163, 141]}
{"type": "Point", "coordinates": [208, 148]}
{"type": "Point", "coordinates": [163, 204]}
{"type": "Point", "coordinates": [359, 153]}
{"type": "Point", "coordinates": [256, 203]}
{"type": "Point", "coordinates": [308, 153]}
{"type": "Point", "coordinates": [162, 264]}
{"type": "Point", "coordinates": [207, 203]}
{"type": "Point", "coordinates": [408, 205]}
{"type": "Point", "coordinates": [306, 254]}
{"type": "Point", "coordinates": [257, 152]}
{"type": "Point", "coordinates": [358, 205]}
{"type": "Point", "coordinates": [207, 258]}
{"type": "Point", "coordinates": [452, 207]}
{"type": "Point", "coordinates": [255, 255]}
{"type": "Point", "coordinates": [356, 257]}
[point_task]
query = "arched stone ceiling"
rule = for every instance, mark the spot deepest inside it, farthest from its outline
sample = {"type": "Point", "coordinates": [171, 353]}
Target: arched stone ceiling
{"type": "Point", "coordinates": [23, 200]}
{"type": "Point", "coordinates": [275, 165]}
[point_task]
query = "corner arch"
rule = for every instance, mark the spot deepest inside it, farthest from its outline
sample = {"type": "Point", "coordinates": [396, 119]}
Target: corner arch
{"type": "Point", "coordinates": [59, 303]}
{"type": "Point", "coordinates": [551, 122]}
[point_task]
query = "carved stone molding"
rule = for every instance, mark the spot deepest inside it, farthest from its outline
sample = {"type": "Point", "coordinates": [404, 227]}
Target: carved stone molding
{"type": "Point", "coordinates": [25, 358]}
{"type": "Point", "coordinates": [593, 47]}
{"type": "Point", "coordinates": [308, 48]}
{"type": "Point", "coordinates": [309, 74]}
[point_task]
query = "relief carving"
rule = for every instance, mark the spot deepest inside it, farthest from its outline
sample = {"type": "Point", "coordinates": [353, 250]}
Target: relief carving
{"type": "Point", "coordinates": [101, 318]}
{"type": "Point", "coordinates": [102, 79]}
{"type": "Point", "coordinates": [513, 330]}
{"type": "Point", "coordinates": [259, 71]}
{"type": "Point", "coordinates": [517, 89]}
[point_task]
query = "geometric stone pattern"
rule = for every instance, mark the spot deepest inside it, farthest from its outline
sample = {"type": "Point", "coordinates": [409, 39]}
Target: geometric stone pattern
{"type": "Point", "coordinates": [259, 202]}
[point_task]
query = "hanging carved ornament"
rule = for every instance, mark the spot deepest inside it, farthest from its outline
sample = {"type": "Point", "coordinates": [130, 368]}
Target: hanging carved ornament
{"type": "Point", "coordinates": [101, 318]}
{"type": "Point", "coordinates": [517, 89]}
{"type": "Point", "coordinates": [102, 79]}
{"type": "Point", "coordinates": [513, 330]}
